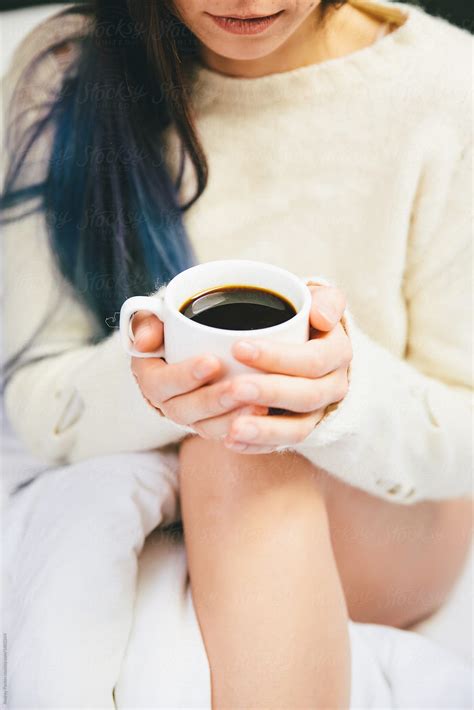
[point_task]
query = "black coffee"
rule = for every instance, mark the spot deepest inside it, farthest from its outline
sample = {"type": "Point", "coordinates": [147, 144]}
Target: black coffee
{"type": "Point", "coordinates": [238, 308]}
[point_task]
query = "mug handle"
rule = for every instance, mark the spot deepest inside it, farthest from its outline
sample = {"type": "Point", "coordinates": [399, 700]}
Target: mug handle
{"type": "Point", "coordinates": [153, 304]}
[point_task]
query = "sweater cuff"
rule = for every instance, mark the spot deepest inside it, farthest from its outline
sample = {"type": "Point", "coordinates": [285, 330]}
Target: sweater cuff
{"type": "Point", "coordinates": [342, 439]}
{"type": "Point", "coordinates": [339, 436]}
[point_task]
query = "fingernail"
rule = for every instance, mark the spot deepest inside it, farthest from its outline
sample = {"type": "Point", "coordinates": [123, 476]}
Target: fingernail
{"type": "Point", "coordinates": [247, 350]}
{"type": "Point", "coordinates": [246, 390]}
{"type": "Point", "coordinates": [142, 334]}
{"type": "Point", "coordinates": [226, 401]}
{"type": "Point", "coordinates": [235, 445]}
{"type": "Point", "coordinates": [245, 430]}
{"type": "Point", "coordinates": [204, 368]}
{"type": "Point", "coordinates": [327, 308]}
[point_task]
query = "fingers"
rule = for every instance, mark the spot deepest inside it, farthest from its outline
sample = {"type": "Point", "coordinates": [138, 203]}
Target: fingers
{"type": "Point", "coordinates": [298, 394]}
{"type": "Point", "coordinates": [327, 308]}
{"type": "Point", "coordinates": [147, 332]}
{"type": "Point", "coordinates": [249, 449]}
{"type": "Point", "coordinates": [249, 433]}
{"type": "Point", "coordinates": [315, 358]}
{"type": "Point", "coordinates": [212, 400]}
{"type": "Point", "coordinates": [303, 379]}
{"type": "Point", "coordinates": [160, 381]}
{"type": "Point", "coordinates": [218, 427]}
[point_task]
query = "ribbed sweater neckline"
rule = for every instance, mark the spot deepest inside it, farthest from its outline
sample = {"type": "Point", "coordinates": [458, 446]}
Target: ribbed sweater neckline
{"type": "Point", "coordinates": [368, 62]}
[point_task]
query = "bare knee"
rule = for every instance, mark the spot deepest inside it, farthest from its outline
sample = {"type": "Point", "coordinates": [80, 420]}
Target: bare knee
{"type": "Point", "coordinates": [278, 490]}
{"type": "Point", "coordinates": [209, 465]}
{"type": "Point", "coordinates": [250, 513]}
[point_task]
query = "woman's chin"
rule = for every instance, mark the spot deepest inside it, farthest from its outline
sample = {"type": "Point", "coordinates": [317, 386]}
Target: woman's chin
{"type": "Point", "coordinates": [244, 51]}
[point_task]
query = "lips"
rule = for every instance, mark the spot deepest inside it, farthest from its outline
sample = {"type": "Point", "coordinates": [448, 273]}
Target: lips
{"type": "Point", "coordinates": [250, 24]}
{"type": "Point", "coordinates": [247, 17]}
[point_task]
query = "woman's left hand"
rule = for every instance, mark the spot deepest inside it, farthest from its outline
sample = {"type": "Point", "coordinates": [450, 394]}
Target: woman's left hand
{"type": "Point", "coordinates": [302, 379]}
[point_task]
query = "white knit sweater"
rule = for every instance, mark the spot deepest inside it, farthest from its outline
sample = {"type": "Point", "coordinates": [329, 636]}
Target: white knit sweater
{"type": "Point", "coordinates": [357, 170]}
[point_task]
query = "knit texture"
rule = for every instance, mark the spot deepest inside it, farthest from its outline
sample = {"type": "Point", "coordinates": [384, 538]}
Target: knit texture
{"type": "Point", "coordinates": [356, 171]}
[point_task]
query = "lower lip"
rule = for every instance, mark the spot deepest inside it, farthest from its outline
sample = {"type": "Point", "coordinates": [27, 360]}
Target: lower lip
{"type": "Point", "coordinates": [246, 27]}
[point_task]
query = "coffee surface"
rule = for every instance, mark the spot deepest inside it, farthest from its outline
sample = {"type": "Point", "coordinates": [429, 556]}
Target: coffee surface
{"type": "Point", "coordinates": [238, 308]}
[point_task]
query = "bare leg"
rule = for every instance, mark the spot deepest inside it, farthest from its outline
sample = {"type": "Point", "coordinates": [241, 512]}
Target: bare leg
{"type": "Point", "coordinates": [396, 563]}
{"type": "Point", "coordinates": [264, 580]}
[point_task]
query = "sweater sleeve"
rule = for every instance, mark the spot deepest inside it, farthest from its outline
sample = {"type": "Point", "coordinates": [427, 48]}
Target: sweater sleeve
{"type": "Point", "coordinates": [66, 399]}
{"type": "Point", "coordinates": [403, 432]}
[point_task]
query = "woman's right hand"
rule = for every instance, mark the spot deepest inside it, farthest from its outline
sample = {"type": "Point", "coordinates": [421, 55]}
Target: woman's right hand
{"type": "Point", "coordinates": [186, 392]}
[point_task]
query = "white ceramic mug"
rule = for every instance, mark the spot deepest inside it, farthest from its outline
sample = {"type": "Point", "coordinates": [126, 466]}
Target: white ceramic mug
{"type": "Point", "coordinates": [185, 338]}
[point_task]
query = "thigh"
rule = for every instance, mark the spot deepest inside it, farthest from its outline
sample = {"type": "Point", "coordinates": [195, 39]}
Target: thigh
{"type": "Point", "coordinates": [397, 563]}
{"type": "Point", "coordinates": [264, 580]}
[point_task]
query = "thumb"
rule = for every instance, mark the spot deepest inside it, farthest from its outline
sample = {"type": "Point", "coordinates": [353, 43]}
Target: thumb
{"type": "Point", "coordinates": [327, 308]}
{"type": "Point", "coordinates": [147, 332]}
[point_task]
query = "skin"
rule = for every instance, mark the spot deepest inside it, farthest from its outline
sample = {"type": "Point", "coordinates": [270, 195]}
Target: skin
{"type": "Point", "coordinates": [281, 553]}
{"type": "Point", "coordinates": [300, 378]}
{"type": "Point", "coordinates": [271, 540]}
{"type": "Point", "coordinates": [264, 580]}
{"type": "Point", "coordinates": [299, 38]}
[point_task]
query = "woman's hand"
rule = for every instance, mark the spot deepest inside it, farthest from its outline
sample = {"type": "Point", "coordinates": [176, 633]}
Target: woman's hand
{"type": "Point", "coordinates": [185, 392]}
{"type": "Point", "coordinates": [303, 379]}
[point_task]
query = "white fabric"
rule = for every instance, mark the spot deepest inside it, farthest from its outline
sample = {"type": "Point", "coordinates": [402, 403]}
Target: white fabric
{"type": "Point", "coordinates": [376, 198]}
{"type": "Point", "coordinates": [81, 618]}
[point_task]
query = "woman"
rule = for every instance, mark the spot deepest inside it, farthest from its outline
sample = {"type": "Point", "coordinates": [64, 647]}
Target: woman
{"type": "Point", "coordinates": [329, 138]}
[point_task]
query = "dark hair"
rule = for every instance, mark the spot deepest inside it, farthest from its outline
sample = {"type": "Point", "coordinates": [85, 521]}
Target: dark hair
{"type": "Point", "coordinates": [114, 224]}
